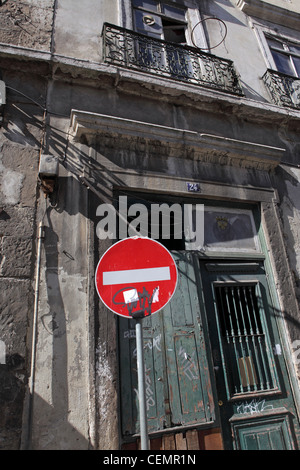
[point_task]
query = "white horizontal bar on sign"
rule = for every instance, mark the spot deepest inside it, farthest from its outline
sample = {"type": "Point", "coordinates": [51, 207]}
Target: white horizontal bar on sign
{"type": "Point", "coordinates": [136, 275]}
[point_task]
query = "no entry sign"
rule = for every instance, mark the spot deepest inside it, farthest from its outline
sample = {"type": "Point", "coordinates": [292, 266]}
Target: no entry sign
{"type": "Point", "coordinates": [136, 277]}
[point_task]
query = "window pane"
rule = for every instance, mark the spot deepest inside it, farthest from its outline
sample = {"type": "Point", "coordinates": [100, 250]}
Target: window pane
{"type": "Point", "coordinates": [173, 32]}
{"type": "Point", "coordinates": [294, 49]}
{"type": "Point", "coordinates": [297, 65]}
{"type": "Point", "coordinates": [175, 13]}
{"type": "Point", "coordinates": [275, 43]}
{"type": "Point", "coordinates": [229, 230]}
{"type": "Point", "coordinates": [153, 29]}
{"type": "Point", "coordinates": [283, 63]}
{"type": "Point", "coordinates": [150, 5]}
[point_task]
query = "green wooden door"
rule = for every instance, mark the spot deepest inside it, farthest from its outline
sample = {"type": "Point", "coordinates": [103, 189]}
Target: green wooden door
{"type": "Point", "coordinates": [213, 356]}
{"type": "Point", "coordinates": [190, 390]}
{"type": "Point", "coordinates": [178, 386]}
{"type": "Point", "coordinates": [254, 395]}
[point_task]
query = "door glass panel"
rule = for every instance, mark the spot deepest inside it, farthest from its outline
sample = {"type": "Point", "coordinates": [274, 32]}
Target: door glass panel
{"type": "Point", "coordinates": [225, 230]}
{"type": "Point", "coordinates": [173, 32]}
{"type": "Point", "coordinates": [244, 337]}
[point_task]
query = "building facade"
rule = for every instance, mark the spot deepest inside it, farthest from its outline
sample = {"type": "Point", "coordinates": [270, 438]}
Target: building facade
{"type": "Point", "coordinates": [143, 110]}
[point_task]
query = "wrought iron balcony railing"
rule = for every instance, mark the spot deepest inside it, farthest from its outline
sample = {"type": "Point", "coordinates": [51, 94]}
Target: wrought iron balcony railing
{"type": "Point", "coordinates": [284, 89]}
{"type": "Point", "coordinates": [126, 48]}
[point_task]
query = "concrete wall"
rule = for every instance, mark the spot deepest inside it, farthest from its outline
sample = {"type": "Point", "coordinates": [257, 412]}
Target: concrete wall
{"type": "Point", "coordinates": [77, 31]}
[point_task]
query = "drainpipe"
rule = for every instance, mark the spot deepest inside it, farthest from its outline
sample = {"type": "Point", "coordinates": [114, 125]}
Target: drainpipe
{"type": "Point", "coordinates": [28, 419]}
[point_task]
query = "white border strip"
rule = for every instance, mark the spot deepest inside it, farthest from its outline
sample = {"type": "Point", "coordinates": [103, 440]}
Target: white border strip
{"type": "Point", "coordinates": [136, 275]}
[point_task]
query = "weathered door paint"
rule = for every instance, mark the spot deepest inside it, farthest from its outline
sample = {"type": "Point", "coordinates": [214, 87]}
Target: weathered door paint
{"type": "Point", "coordinates": [213, 357]}
{"type": "Point", "coordinates": [178, 387]}
{"type": "Point", "coordinates": [190, 391]}
{"type": "Point", "coordinates": [254, 395]}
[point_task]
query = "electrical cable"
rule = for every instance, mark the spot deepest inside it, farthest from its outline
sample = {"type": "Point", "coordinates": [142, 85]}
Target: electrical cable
{"type": "Point", "coordinates": [203, 21]}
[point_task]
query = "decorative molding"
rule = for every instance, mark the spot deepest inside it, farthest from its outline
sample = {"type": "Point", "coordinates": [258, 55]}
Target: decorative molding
{"type": "Point", "coordinates": [144, 138]}
{"type": "Point", "coordinates": [270, 12]}
{"type": "Point", "coordinates": [233, 268]}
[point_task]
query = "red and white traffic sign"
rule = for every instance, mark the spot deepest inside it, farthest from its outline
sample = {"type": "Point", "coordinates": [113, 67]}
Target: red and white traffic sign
{"type": "Point", "coordinates": [136, 277]}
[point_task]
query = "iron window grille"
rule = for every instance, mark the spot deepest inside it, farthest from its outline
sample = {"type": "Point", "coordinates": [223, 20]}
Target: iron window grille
{"type": "Point", "coordinates": [247, 352]}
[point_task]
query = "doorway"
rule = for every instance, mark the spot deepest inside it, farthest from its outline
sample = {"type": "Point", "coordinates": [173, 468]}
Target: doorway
{"type": "Point", "coordinates": [213, 356]}
{"type": "Point", "coordinates": [254, 396]}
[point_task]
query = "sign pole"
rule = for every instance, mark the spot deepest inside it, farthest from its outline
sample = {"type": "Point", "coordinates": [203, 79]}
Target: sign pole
{"type": "Point", "coordinates": [141, 384]}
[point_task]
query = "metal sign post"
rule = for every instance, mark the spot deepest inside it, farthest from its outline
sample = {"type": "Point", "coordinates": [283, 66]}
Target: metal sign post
{"type": "Point", "coordinates": [141, 384]}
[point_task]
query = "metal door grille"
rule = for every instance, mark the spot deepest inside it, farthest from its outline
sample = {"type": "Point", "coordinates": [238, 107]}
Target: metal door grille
{"type": "Point", "coordinates": [247, 351]}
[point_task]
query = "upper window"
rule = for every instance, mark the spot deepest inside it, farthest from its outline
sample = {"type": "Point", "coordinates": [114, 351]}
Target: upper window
{"type": "Point", "coordinates": [160, 20]}
{"type": "Point", "coordinates": [286, 55]}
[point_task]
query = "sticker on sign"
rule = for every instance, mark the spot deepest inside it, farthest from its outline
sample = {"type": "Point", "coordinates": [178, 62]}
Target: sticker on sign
{"type": "Point", "coordinates": [136, 277]}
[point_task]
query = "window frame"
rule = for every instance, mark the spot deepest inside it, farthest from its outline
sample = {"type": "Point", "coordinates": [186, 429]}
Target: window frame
{"type": "Point", "coordinates": [182, 24]}
{"type": "Point", "coordinates": [193, 17]}
{"type": "Point", "coordinates": [263, 32]}
{"type": "Point", "coordinates": [286, 43]}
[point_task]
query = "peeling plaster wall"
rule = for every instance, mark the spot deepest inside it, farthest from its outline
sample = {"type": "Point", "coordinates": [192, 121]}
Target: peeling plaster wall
{"type": "Point", "coordinates": [11, 185]}
{"type": "Point", "coordinates": [62, 393]}
{"type": "Point", "coordinates": [18, 169]}
{"type": "Point", "coordinates": [289, 189]}
{"type": "Point", "coordinates": [27, 23]}
{"type": "Point", "coordinates": [77, 31]}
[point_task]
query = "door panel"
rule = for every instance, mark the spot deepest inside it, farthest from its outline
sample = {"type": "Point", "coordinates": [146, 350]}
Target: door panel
{"type": "Point", "coordinates": [189, 381]}
{"type": "Point", "coordinates": [178, 386]}
{"type": "Point", "coordinates": [264, 433]}
{"type": "Point", "coordinates": [154, 375]}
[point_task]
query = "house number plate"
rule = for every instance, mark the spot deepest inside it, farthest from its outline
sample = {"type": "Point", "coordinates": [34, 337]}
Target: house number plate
{"type": "Point", "coordinates": [193, 187]}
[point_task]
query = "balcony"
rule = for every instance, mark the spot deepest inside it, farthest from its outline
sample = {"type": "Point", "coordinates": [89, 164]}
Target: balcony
{"type": "Point", "coordinates": [134, 51]}
{"type": "Point", "coordinates": [284, 89]}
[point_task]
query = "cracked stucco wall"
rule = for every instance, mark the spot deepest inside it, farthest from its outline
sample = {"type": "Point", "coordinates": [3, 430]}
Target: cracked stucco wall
{"type": "Point", "coordinates": [18, 167]}
{"type": "Point", "coordinates": [27, 23]}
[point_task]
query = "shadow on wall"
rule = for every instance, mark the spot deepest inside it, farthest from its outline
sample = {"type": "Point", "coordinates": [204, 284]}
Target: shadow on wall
{"type": "Point", "coordinates": [57, 433]}
{"type": "Point", "coordinates": [54, 431]}
{"type": "Point", "coordinates": [12, 393]}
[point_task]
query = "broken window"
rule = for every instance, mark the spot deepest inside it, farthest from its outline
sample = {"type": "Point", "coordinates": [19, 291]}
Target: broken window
{"type": "Point", "coordinates": [160, 20]}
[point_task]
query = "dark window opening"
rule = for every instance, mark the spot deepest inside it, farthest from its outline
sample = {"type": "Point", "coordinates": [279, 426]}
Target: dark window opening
{"type": "Point", "coordinates": [163, 221]}
{"type": "Point", "coordinates": [173, 32]}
